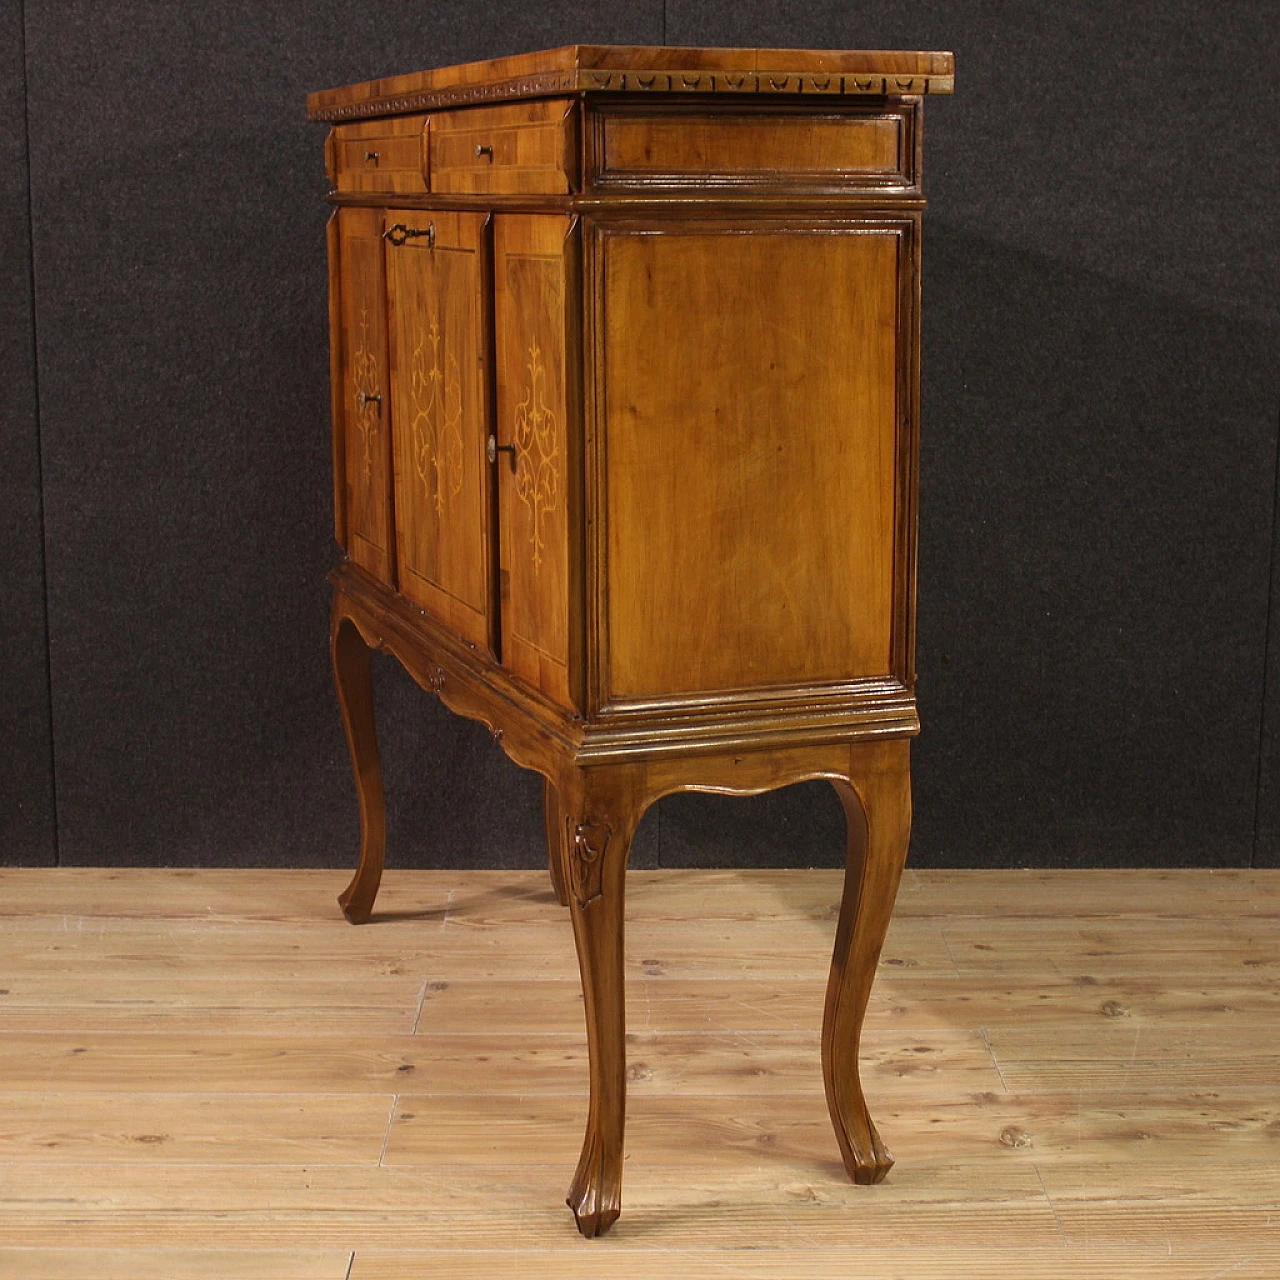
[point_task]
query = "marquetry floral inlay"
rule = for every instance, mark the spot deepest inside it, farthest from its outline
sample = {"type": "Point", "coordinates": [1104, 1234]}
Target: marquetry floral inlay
{"type": "Point", "coordinates": [435, 388]}
{"type": "Point", "coordinates": [537, 454]}
{"type": "Point", "coordinates": [364, 390]}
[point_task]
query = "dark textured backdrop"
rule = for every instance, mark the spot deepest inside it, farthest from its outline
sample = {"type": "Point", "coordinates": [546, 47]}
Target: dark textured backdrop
{"type": "Point", "coordinates": [1098, 477]}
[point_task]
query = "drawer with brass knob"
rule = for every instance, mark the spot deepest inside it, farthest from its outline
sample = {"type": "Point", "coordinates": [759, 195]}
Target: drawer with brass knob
{"type": "Point", "coordinates": [524, 148]}
{"type": "Point", "coordinates": [379, 155]}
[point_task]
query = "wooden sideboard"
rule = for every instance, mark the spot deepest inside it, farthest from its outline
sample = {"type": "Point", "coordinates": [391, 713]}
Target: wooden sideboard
{"type": "Point", "coordinates": [625, 382]}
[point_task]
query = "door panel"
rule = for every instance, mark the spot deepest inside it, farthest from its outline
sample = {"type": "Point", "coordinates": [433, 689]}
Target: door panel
{"type": "Point", "coordinates": [362, 443]}
{"type": "Point", "coordinates": [437, 283]}
{"type": "Point", "coordinates": [533, 262]}
{"type": "Point", "coordinates": [751, 404]}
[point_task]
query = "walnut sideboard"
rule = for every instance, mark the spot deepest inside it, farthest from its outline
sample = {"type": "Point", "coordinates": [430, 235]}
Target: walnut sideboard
{"type": "Point", "coordinates": [625, 382]}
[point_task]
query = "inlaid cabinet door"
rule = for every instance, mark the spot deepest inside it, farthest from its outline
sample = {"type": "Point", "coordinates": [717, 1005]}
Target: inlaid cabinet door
{"type": "Point", "coordinates": [361, 438]}
{"type": "Point", "coordinates": [437, 285]}
{"type": "Point", "coordinates": [534, 261]}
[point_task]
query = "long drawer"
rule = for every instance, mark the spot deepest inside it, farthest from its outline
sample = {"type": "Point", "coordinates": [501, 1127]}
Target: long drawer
{"type": "Point", "coordinates": [639, 147]}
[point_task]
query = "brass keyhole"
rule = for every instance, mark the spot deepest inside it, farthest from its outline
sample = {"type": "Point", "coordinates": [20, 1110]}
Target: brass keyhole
{"type": "Point", "coordinates": [494, 448]}
{"type": "Point", "coordinates": [400, 233]}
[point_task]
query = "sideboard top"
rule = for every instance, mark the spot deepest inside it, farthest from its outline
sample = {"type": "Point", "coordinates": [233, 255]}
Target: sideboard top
{"type": "Point", "coordinates": [639, 69]}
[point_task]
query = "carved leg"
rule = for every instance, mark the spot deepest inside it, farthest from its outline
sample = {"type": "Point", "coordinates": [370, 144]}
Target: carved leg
{"type": "Point", "coordinates": [877, 805]}
{"type": "Point", "coordinates": [353, 676]}
{"type": "Point", "coordinates": [599, 823]}
{"type": "Point", "coordinates": [557, 837]}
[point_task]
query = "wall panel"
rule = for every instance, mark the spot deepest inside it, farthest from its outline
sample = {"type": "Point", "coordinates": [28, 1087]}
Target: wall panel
{"type": "Point", "coordinates": [1099, 421]}
{"type": "Point", "coordinates": [27, 824]}
{"type": "Point", "coordinates": [1098, 465]}
{"type": "Point", "coordinates": [180, 248]}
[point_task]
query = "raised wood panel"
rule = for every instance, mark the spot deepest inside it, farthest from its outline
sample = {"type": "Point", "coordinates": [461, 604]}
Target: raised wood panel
{"type": "Point", "coordinates": [437, 285]}
{"type": "Point", "coordinates": [527, 147]}
{"type": "Point", "coordinates": [533, 267]}
{"type": "Point", "coordinates": [362, 442]}
{"type": "Point", "coordinates": [750, 395]}
{"type": "Point", "coordinates": [639, 147]}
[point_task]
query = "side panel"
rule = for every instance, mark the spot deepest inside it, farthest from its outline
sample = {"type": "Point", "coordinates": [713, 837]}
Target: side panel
{"type": "Point", "coordinates": [362, 443]}
{"type": "Point", "coordinates": [754, 399]}
{"type": "Point", "coordinates": [534, 258]}
{"type": "Point", "coordinates": [437, 283]}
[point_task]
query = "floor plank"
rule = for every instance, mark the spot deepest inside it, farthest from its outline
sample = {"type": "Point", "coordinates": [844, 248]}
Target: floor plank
{"type": "Point", "coordinates": [1238, 1128]}
{"type": "Point", "coordinates": [715, 1062]}
{"type": "Point", "coordinates": [774, 1204]}
{"type": "Point", "coordinates": [899, 1000]}
{"type": "Point", "coordinates": [210, 1073]}
{"type": "Point", "coordinates": [942, 1263]}
{"type": "Point", "coordinates": [43, 1002]}
{"type": "Point", "coordinates": [174, 1264]}
{"type": "Point", "coordinates": [223, 1128]}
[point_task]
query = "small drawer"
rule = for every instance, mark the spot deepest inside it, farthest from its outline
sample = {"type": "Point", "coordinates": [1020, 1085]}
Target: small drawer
{"type": "Point", "coordinates": [524, 148]}
{"type": "Point", "coordinates": [806, 150]}
{"type": "Point", "coordinates": [380, 155]}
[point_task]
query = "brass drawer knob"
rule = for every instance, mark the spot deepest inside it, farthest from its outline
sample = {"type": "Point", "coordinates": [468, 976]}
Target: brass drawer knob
{"type": "Point", "coordinates": [371, 157]}
{"type": "Point", "coordinates": [364, 399]}
{"type": "Point", "coordinates": [483, 150]}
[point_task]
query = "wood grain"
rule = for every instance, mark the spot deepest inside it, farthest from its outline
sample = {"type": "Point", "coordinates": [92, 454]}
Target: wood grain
{"type": "Point", "coordinates": [1031, 1143]}
{"type": "Point", "coordinates": [380, 155]}
{"type": "Point", "coordinates": [802, 1263]}
{"type": "Point", "coordinates": [642, 68]}
{"type": "Point", "coordinates": [184, 1127]}
{"type": "Point", "coordinates": [173, 1264]}
{"type": "Point", "coordinates": [537, 416]}
{"type": "Point", "coordinates": [627, 1263]}
{"type": "Point", "coordinates": [637, 148]}
{"type": "Point", "coordinates": [361, 408]}
{"type": "Point", "coordinates": [675, 1131]}
{"type": "Point", "coordinates": [318, 1063]}
{"type": "Point", "coordinates": [352, 662]}
{"type": "Point", "coordinates": [524, 148]}
{"type": "Point", "coordinates": [679, 377]}
{"type": "Point", "coordinates": [437, 290]}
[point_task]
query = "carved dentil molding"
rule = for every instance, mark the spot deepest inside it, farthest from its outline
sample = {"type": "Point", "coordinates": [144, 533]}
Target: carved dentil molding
{"type": "Point", "coordinates": [657, 81]}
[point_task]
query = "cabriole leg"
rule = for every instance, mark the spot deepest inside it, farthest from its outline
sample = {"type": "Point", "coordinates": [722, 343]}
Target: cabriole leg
{"type": "Point", "coordinates": [557, 837]}
{"type": "Point", "coordinates": [353, 677]}
{"type": "Point", "coordinates": [877, 805]}
{"type": "Point", "coordinates": [599, 822]}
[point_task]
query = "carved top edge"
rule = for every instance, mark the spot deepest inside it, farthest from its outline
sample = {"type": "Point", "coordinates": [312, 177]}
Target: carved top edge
{"type": "Point", "coordinates": [628, 69]}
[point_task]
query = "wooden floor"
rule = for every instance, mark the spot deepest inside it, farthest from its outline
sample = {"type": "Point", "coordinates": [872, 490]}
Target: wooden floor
{"type": "Point", "coordinates": [210, 1074]}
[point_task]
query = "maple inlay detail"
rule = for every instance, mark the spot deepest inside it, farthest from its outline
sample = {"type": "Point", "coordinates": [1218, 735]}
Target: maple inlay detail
{"type": "Point", "coordinates": [365, 392]}
{"type": "Point", "coordinates": [538, 459]}
{"type": "Point", "coordinates": [437, 419]}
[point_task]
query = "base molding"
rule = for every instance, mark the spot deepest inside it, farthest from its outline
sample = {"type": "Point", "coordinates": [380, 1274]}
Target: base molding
{"type": "Point", "coordinates": [539, 734]}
